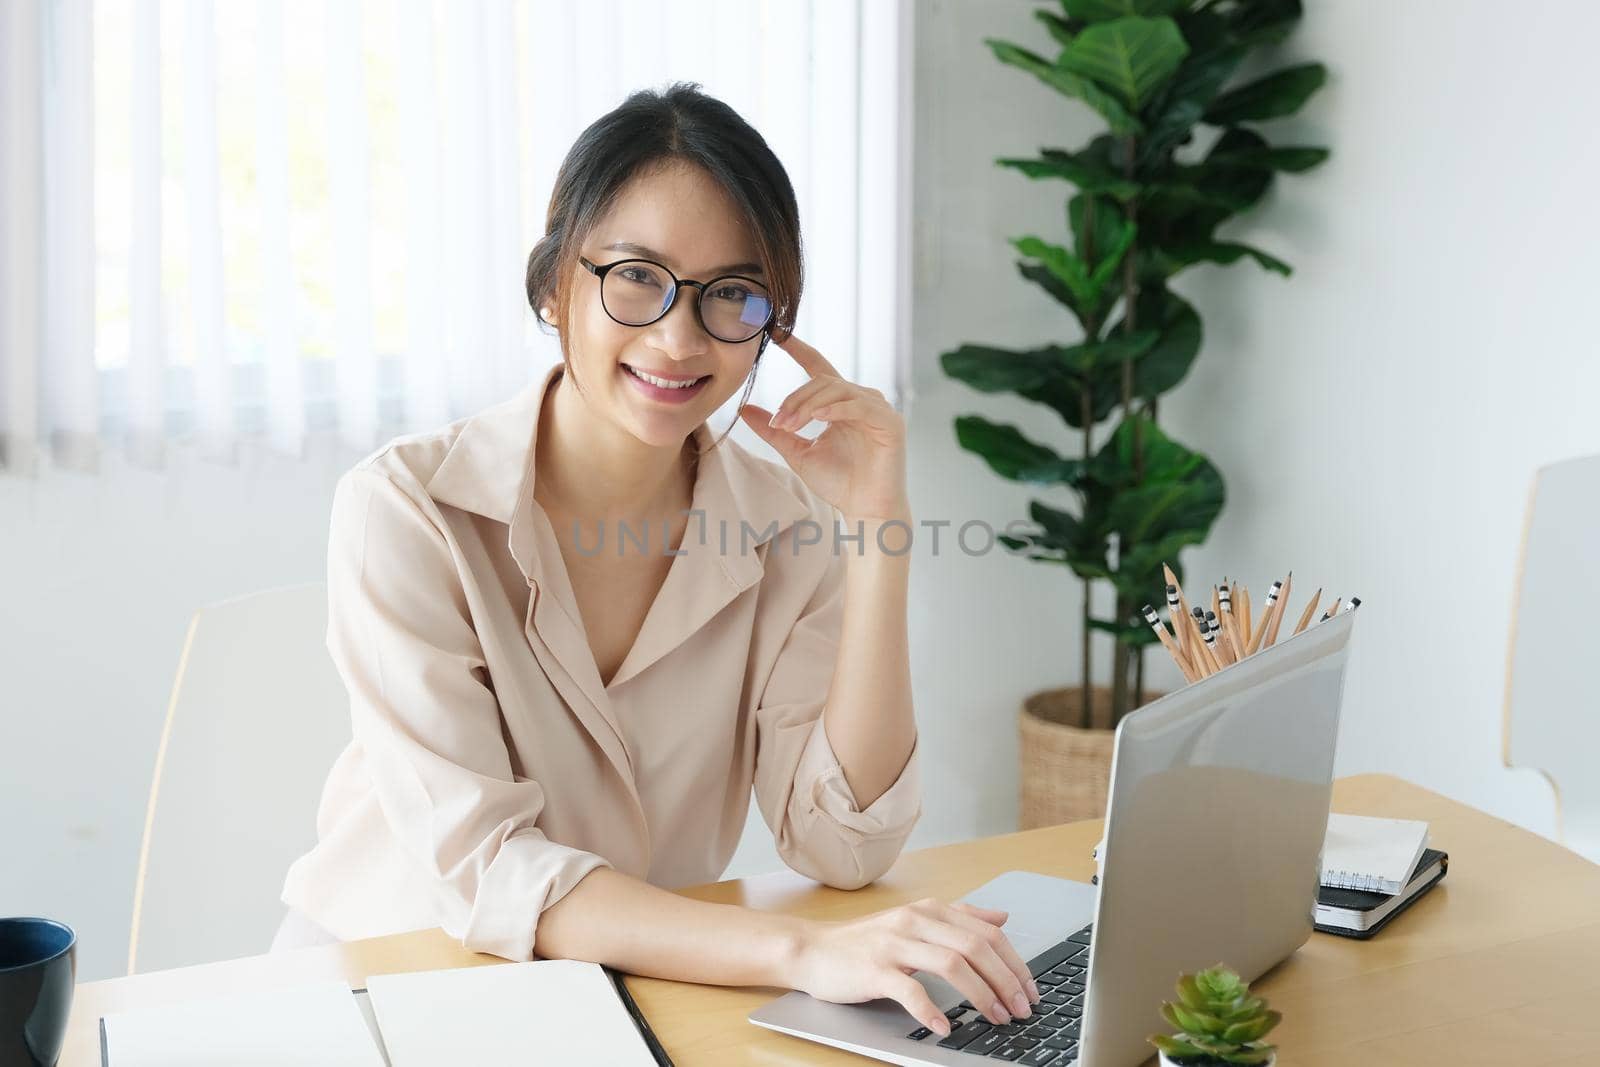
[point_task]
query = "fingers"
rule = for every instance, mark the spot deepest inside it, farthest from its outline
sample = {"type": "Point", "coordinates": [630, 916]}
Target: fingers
{"type": "Point", "coordinates": [998, 916]}
{"type": "Point", "coordinates": [787, 444]}
{"type": "Point", "coordinates": [1000, 982]}
{"type": "Point", "coordinates": [810, 360]}
{"type": "Point", "coordinates": [1002, 946]}
{"type": "Point", "coordinates": [866, 411]}
{"type": "Point", "coordinates": [914, 998]}
{"type": "Point", "coordinates": [795, 410]}
{"type": "Point", "coordinates": [953, 966]}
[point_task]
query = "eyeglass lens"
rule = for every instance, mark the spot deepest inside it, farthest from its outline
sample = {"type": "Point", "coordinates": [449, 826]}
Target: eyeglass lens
{"type": "Point", "coordinates": [733, 309]}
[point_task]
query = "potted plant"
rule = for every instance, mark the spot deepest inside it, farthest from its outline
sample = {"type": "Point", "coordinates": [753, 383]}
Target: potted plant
{"type": "Point", "coordinates": [1144, 207]}
{"type": "Point", "coordinates": [1218, 1022]}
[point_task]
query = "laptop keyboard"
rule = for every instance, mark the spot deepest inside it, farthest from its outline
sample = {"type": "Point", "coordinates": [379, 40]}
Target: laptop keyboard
{"type": "Point", "coordinates": [1048, 1037]}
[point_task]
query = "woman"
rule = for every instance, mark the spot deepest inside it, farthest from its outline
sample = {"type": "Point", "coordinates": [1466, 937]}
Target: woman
{"type": "Point", "coordinates": [551, 732]}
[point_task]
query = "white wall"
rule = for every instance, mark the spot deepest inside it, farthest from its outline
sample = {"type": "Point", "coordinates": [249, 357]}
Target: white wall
{"type": "Point", "coordinates": [1377, 417]}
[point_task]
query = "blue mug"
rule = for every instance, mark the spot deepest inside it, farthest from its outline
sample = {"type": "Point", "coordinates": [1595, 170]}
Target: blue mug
{"type": "Point", "coordinates": [37, 967]}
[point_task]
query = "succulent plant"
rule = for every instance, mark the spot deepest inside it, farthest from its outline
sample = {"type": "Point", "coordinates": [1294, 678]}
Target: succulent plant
{"type": "Point", "coordinates": [1218, 1021]}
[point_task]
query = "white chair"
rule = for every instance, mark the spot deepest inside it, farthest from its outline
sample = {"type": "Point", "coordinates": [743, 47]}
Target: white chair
{"type": "Point", "coordinates": [1551, 717]}
{"type": "Point", "coordinates": [258, 714]}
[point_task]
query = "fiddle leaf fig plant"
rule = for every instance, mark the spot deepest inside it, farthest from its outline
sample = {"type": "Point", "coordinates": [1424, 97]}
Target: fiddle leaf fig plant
{"type": "Point", "coordinates": [1218, 1022]}
{"type": "Point", "coordinates": [1180, 155]}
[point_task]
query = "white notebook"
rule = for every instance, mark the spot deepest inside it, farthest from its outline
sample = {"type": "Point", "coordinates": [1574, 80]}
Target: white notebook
{"type": "Point", "coordinates": [544, 1012]}
{"type": "Point", "coordinates": [316, 1025]}
{"type": "Point", "coordinates": [1377, 855]}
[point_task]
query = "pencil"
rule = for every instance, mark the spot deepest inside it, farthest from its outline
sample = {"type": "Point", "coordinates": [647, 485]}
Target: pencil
{"type": "Point", "coordinates": [1191, 638]}
{"type": "Point", "coordinates": [1305, 616]}
{"type": "Point", "coordinates": [1333, 609]}
{"type": "Point", "coordinates": [1213, 664]}
{"type": "Point", "coordinates": [1154, 620]}
{"type": "Point", "coordinates": [1173, 615]}
{"type": "Point", "coordinates": [1266, 617]}
{"type": "Point", "coordinates": [1355, 602]}
{"type": "Point", "coordinates": [1283, 606]}
{"type": "Point", "coordinates": [1216, 641]}
{"type": "Point", "coordinates": [1244, 617]}
{"type": "Point", "coordinates": [1230, 625]}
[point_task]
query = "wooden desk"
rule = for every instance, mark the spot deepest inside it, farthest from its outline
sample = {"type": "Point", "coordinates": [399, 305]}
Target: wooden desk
{"type": "Point", "coordinates": [1498, 965]}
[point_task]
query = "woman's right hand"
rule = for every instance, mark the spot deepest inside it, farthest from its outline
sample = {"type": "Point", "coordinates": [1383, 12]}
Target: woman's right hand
{"type": "Point", "coordinates": [863, 959]}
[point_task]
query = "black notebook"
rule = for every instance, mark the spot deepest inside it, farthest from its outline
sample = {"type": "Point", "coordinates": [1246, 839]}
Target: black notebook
{"type": "Point", "coordinates": [1360, 913]}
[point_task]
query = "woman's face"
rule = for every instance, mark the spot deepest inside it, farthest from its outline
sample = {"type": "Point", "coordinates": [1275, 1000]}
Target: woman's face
{"type": "Point", "coordinates": [692, 226]}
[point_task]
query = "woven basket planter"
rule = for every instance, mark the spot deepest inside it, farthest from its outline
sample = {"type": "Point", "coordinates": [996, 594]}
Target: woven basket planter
{"type": "Point", "coordinates": [1065, 769]}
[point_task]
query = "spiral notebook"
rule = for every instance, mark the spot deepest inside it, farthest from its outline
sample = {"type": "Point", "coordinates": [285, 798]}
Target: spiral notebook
{"type": "Point", "coordinates": [1372, 855]}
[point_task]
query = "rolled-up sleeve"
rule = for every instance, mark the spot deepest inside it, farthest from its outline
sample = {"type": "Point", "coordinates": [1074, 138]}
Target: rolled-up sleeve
{"type": "Point", "coordinates": [427, 721]}
{"type": "Point", "coordinates": [819, 829]}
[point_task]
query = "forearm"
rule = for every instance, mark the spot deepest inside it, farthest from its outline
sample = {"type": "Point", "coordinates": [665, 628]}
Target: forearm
{"type": "Point", "coordinates": [868, 716]}
{"type": "Point", "coordinates": [623, 922]}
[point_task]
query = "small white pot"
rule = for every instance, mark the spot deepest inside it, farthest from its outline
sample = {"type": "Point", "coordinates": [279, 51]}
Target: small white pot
{"type": "Point", "coordinates": [1167, 1061]}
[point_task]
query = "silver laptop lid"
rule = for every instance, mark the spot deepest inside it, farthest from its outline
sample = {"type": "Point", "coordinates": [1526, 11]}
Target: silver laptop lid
{"type": "Point", "coordinates": [1214, 827]}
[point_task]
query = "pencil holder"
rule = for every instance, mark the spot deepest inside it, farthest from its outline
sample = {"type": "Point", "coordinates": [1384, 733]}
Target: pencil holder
{"type": "Point", "coordinates": [1065, 769]}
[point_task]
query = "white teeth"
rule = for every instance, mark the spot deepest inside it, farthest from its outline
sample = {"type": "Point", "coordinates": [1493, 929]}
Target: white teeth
{"type": "Point", "coordinates": [662, 382]}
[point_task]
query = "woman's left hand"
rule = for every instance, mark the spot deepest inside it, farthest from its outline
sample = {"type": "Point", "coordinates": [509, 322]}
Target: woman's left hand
{"type": "Point", "coordinates": [858, 462]}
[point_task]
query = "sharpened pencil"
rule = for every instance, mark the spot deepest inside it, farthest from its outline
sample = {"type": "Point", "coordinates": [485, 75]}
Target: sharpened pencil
{"type": "Point", "coordinates": [1266, 617]}
{"type": "Point", "coordinates": [1168, 643]}
{"type": "Point", "coordinates": [1305, 616]}
{"type": "Point", "coordinates": [1230, 625]}
{"type": "Point", "coordinates": [1281, 607]}
{"type": "Point", "coordinates": [1173, 616]}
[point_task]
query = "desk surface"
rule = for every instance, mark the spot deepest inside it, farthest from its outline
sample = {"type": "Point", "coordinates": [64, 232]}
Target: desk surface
{"type": "Point", "coordinates": [1500, 964]}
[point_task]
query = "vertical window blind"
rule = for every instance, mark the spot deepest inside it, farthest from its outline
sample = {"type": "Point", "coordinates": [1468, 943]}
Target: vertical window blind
{"type": "Point", "coordinates": [230, 224]}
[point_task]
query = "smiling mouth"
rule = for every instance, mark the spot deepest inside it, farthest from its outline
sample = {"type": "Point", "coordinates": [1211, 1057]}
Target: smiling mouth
{"type": "Point", "coordinates": [665, 383]}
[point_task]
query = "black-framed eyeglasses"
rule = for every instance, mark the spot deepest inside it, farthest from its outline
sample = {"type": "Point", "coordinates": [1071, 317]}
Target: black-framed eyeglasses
{"type": "Point", "coordinates": [637, 292]}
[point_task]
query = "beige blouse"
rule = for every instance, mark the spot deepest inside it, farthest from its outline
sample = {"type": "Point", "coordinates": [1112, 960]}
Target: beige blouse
{"type": "Point", "coordinates": [490, 770]}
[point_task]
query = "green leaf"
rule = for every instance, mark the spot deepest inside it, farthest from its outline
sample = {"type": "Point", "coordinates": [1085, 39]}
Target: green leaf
{"type": "Point", "coordinates": [1170, 493]}
{"type": "Point", "coordinates": [1011, 455]}
{"type": "Point", "coordinates": [1193, 201]}
{"type": "Point", "coordinates": [1087, 288]}
{"type": "Point", "coordinates": [1245, 1008]}
{"type": "Point", "coordinates": [1000, 370]}
{"type": "Point", "coordinates": [1292, 158]}
{"type": "Point", "coordinates": [1092, 356]}
{"type": "Point", "coordinates": [1273, 96]}
{"type": "Point", "coordinates": [1056, 524]}
{"type": "Point", "coordinates": [1191, 996]}
{"type": "Point", "coordinates": [1047, 281]}
{"type": "Point", "coordinates": [1166, 362]}
{"type": "Point", "coordinates": [1224, 252]}
{"type": "Point", "coordinates": [1264, 21]}
{"type": "Point", "coordinates": [1252, 1029]}
{"type": "Point", "coordinates": [1132, 56]}
{"type": "Point", "coordinates": [1248, 1057]}
{"type": "Point", "coordinates": [1175, 1046]}
{"type": "Point", "coordinates": [1064, 395]}
{"type": "Point", "coordinates": [1195, 1022]}
{"type": "Point", "coordinates": [1097, 224]}
{"type": "Point", "coordinates": [1105, 270]}
{"type": "Point", "coordinates": [1059, 28]}
{"type": "Point", "coordinates": [1104, 10]}
{"type": "Point", "coordinates": [1120, 119]}
{"type": "Point", "coordinates": [1214, 56]}
{"type": "Point", "coordinates": [1079, 169]}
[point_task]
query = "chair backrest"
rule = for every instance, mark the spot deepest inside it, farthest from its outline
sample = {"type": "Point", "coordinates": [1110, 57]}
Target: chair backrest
{"type": "Point", "coordinates": [257, 716]}
{"type": "Point", "coordinates": [1552, 709]}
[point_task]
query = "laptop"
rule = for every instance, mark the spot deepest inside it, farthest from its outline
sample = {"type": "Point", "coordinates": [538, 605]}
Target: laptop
{"type": "Point", "coordinates": [1214, 826]}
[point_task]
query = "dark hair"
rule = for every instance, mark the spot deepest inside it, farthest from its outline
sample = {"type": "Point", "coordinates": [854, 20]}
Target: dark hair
{"type": "Point", "coordinates": [649, 130]}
